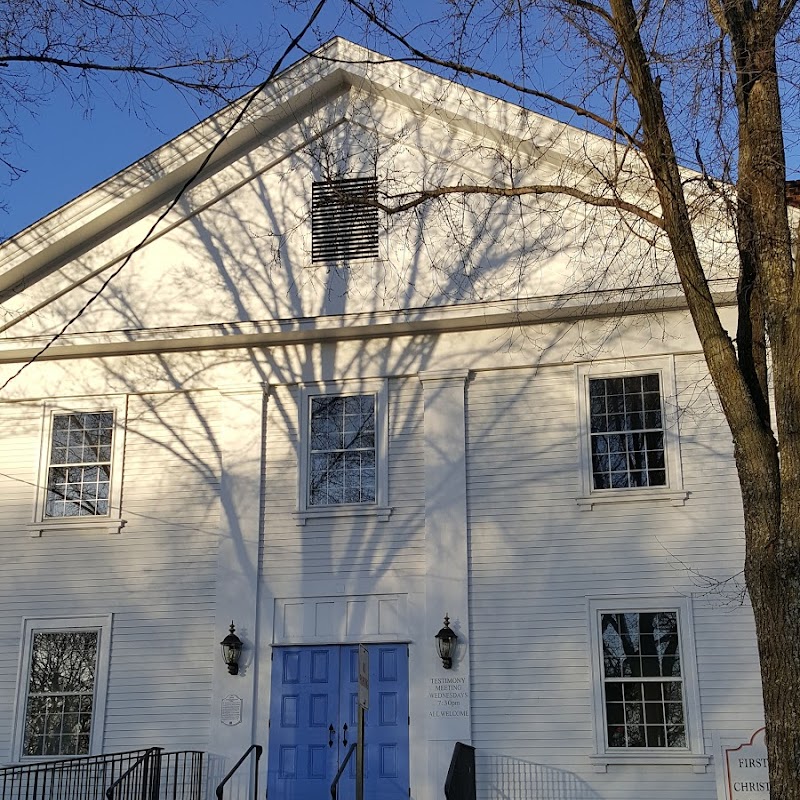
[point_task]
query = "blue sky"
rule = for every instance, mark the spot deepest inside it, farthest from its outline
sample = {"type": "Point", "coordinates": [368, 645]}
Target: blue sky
{"type": "Point", "coordinates": [66, 151]}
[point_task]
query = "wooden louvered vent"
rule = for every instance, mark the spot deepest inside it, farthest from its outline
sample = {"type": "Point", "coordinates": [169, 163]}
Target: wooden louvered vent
{"type": "Point", "coordinates": [342, 229]}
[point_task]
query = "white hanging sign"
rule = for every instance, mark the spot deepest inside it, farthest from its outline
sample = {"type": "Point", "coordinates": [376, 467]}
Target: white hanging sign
{"type": "Point", "coordinates": [231, 710]}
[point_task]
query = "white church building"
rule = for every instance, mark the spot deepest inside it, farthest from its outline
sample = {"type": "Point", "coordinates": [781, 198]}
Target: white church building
{"type": "Point", "coordinates": [329, 426]}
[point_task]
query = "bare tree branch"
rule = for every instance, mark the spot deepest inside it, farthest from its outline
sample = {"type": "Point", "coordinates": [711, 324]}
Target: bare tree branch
{"type": "Point", "coordinates": [464, 69]}
{"type": "Point", "coordinates": [597, 201]}
{"type": "Point", "coordinates": [161, 72]}
{"type": "Point", "coordinates": [120, 50]}
{"type": "Point", "coordinates": [785, 12]}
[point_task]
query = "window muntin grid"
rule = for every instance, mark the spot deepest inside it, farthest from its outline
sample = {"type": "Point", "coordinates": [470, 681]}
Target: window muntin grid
{"type": "Point", "coordinates": [60, 701]}
{"type": "Point", "coordinates": [627, 432]}
{"type": "Point", "coordinates": [642, 680]}
{"type": "Point", "coordinates": [79, 470]}
{"type": "Point", "coordinates": [342, 455]}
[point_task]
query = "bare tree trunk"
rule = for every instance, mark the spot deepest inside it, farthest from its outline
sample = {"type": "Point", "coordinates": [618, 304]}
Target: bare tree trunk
{"type": "Point", "coordinates": [773, 579]}
{"type": "Point", "coordinates": [772, 519]}
{"type": "Point", "coordinates": [769, 483]}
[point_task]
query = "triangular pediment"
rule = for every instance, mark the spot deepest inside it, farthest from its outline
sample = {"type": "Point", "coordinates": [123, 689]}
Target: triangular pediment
{"type": "Point", "coordinates": [234, 257]}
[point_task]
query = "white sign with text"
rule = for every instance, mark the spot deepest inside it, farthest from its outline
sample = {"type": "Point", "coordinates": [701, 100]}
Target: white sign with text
{"type": "Point", "coordinates": [745, 768]}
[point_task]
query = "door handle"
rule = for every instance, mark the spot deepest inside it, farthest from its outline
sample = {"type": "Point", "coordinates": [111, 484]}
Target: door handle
{"type": "Point", "coordinates": [344, 735]}
{"type": "Point", "coordinates": [331, 734]}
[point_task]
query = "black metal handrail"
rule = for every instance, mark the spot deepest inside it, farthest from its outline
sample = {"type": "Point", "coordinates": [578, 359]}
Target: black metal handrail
{"type": "Point", "coordinates": [77, 778]}
{"type": "Point", "coordinates": [161, 776]}
{"type": "Point", "coordinates": [460, 783]}
{"type": "Point", "coordinates": [258, 751]}
{"type": "Point", "coordinates": [335, 784]}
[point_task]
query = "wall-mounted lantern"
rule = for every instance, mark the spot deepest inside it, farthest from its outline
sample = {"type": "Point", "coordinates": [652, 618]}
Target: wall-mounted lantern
{"type": "Point", "coordinates": [231, 650]}
{"type": "Point", "coordinates": [446, 642]}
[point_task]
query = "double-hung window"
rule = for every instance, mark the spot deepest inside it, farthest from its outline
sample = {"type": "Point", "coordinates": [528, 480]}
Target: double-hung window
{"type": "Point", "coordinates": [63, 685]}
{"type": "Point", "coordinates": [627, 432]}
{"type": "Point", "coordinates": [342, 450]}
{"type": "Point", "coordinates": [80, 473]}
{"type": "Point", "coordinates": [628, 423]}
{"type": "Point", "coordinates": [645, 682]}
{"type": "Point", "coordinates": [343, 454]}
{"type": "Point", "coordinates": [642, 679]}
{"type": "Point", "coordinates": [79, 469]}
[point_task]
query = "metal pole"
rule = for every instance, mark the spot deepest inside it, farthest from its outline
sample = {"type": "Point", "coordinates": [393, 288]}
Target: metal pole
{"type": "Point", "coordinates": [360, 756]}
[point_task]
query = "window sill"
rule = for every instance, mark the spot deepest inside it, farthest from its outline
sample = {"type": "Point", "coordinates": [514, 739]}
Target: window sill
{"type": "Point", "coordinates": [102, 524]}
{"type": "Point", "coordinates": [674, 498]}
{"type": "Point", "coordinates": [26, 761]}
{"type": "Point", "coordinates": [381, 513]}
{"type": "Point", "coordinates": [697, 761]}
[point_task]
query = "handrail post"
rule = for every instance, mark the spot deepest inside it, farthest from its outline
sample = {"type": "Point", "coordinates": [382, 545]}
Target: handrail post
{"type": "Point", "coordinates": [255, 778]}
{"type": "Point", "coordinates": [155, 775]}
{"type": "Point", "coordinates": [143, 789]}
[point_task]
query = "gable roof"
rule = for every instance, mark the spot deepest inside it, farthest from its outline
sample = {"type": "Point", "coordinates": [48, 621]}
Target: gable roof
{"type": "Point", "coordinates": [154, 180]}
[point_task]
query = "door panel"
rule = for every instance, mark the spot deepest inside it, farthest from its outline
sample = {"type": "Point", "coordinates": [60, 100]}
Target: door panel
{"type": "Point", "coordinates": [386, 749]}
{"type": "Point", "coordinates": [304, 703]}
{"type": "Point", "coordinates": [299, 753]}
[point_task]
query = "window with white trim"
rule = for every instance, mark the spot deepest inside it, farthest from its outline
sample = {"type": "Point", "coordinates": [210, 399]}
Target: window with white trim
{"type": "Point", "coordinates": [645, 682]}
{"type": "Point", "coordinates": [344, 444]}
{"type": "Point", "coordinates": [79, 468]}
{"type": "Point", "coordinates": [628, 426]}
{"type": "Point", "coordinates": [80, 472]}
{"type": "Point", "coordinates": [342, 450]}
{"type": "Point", "coordinates": [62, 688]}
{"type": "Point", "coordinates": [642, 679]}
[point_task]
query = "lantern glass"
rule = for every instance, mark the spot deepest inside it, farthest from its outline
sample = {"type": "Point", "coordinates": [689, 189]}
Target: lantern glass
{"type": "Point", "coordinates": [446, 641]}
{"type": "Point", "coordinates": [229, 653]}
{"type": "Point", "coordinates": [231, 650]}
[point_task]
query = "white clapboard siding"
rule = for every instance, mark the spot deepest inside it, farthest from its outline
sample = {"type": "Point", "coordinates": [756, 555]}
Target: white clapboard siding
{"type": "Point", "coordinates": [170, 498]}
{"type": "Point", "coordinates": [20, 426]}
{"type": "Point", "coordinates": [536, 559]}
{"type": "Point", "coordinates": [156, 577]}
{"type": "Point", "coordinates": [349, 547]}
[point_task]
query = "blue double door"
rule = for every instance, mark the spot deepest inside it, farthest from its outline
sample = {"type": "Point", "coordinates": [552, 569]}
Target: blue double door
{"type": "Point", "coordinates": [314, 721]}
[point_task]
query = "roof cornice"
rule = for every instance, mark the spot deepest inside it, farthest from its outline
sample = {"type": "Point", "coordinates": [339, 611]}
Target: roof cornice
{"type": "Point", "coordinates": [404, 322]}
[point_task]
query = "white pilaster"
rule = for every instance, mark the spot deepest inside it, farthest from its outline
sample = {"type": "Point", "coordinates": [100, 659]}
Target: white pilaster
{"type": "Point", "coordinates": [448, 690]}
{"type": "Point", "coordinates": [242, 411]}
